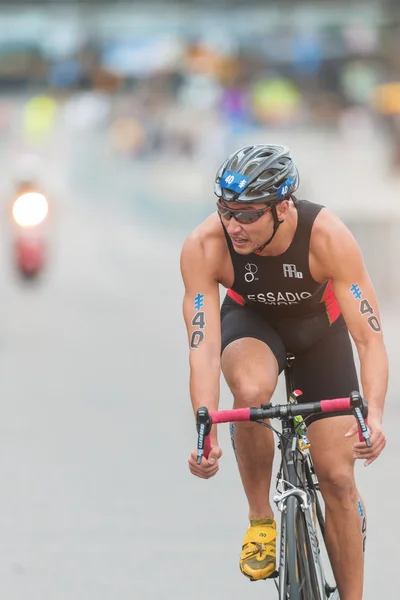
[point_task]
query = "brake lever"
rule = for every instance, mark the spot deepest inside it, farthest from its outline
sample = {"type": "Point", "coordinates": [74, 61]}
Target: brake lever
{"type": "Point", "coordinates": [363, 429]}
{"type": "Point", "coordinates": [203, 424]}
{"type": "Point", "coordinates": [360, 411]}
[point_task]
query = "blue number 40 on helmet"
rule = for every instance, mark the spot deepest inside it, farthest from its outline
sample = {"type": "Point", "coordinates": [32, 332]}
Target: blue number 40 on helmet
{"type": "Point", "coordinates": [285, 188]}
{"type": "Point", "coordinates": [234, 181]}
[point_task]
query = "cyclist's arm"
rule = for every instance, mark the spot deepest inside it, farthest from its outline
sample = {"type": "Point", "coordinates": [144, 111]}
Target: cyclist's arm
{"type": "Point", "coordinates": [201, 310]}
{"type": "Point", "coordinates": [357, 300]}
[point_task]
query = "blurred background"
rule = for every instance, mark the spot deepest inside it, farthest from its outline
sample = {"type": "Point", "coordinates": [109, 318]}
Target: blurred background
{"type": "Point", "coordinates": [120, 113]}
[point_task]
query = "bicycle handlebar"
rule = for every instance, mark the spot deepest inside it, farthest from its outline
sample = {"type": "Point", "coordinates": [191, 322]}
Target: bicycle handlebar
{"type": "Point", "coordinates": [353, 405]}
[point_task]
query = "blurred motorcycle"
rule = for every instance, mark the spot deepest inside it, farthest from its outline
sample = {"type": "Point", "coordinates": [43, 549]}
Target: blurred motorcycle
{"type": "Point", "coordinates": [29, 211]}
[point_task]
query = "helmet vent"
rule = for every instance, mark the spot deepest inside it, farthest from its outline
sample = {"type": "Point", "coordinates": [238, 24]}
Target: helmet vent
{"type": "Point", "coordinates": [234, 164]}
{"type": "Point", "coordinates": [266, 154]}
{"type": "Point", "coordinates": [250, 168]}
{"type": "Point", "coordinates": [266, 175]}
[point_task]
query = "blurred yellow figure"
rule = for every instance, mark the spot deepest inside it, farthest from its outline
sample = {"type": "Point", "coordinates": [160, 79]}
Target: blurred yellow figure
{"type": "Point", "coordinates": [387, 98]}
{"type": "Point", "coordinates": [30, 209]}
{"type": "Point", "coordinates": [39, 117]}
{"type": "Point", "coordinates": [276, 100]}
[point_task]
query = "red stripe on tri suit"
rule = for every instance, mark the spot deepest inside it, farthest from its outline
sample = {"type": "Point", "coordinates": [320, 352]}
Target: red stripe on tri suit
{"type": "Point", "coordinates": [236, 297]}
{"type": "Point", "coordinates": [331, 304]}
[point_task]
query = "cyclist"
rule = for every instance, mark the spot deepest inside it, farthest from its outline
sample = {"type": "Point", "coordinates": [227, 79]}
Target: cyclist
{"type": "Point", "coordinates": [296, 282]}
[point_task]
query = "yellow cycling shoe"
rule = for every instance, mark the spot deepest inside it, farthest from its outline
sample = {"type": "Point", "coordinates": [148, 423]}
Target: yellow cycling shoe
{"type": "Point", "coordinates": [258, 556]}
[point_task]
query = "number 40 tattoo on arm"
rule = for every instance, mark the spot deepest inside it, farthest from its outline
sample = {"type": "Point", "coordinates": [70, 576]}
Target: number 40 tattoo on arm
{"type": "Point", "coordinates": [365, 308]}
{"type": "Point", "coordinates": [198, 321]}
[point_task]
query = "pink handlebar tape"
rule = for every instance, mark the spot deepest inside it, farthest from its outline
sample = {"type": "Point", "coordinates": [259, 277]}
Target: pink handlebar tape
{"type": "Point", "coordinates": [335, 405]}
{"type": "Point", "coordinates": [224, 416]}
{"type": "Point", "coordinates": [236, 414]}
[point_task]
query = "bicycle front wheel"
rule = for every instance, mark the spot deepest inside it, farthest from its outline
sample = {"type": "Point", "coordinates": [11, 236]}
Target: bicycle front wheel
{"type": "Point", "coordinates": [303, 582]}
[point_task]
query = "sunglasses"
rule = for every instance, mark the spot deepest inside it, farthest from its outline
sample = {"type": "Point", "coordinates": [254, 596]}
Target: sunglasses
{"type": "Point", "coordinates": [244, 217]}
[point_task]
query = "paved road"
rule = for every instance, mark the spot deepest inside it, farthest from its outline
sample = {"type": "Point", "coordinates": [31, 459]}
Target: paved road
{"type": "Point", "coordinates": [96, 499]}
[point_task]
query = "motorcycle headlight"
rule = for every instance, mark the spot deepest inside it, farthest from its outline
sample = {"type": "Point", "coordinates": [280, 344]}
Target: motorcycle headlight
{"type": "Point", "coordinates": [30, 209]}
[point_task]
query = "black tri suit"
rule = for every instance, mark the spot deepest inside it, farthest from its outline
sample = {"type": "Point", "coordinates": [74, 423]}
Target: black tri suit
{"type": "Point", "coordinates": [275, 299]}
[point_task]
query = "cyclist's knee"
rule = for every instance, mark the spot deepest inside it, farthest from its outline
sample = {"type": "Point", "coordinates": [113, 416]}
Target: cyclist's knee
{"type": "Point", "coordinates": [251, 393]}
{"type": "Point", "coordinates": [338, 485]}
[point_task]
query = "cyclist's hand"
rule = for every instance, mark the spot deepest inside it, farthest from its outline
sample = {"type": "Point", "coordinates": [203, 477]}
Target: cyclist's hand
{"type": "Point", "coordinates": [352, 431]}
{"type": "Point", "coordinates": [208, 467]}
{"type": "Point", "coordinates": [378, 442]}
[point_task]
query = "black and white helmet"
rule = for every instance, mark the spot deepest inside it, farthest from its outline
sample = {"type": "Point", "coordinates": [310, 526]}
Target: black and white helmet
{"type": "Point", "coordinates": [262, 173]}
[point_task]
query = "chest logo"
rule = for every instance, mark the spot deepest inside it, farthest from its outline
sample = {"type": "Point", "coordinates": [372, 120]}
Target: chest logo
{"type": "Point", "coordinates": [251, 271]}
{"type": "Point", "coordinates": [291, 271]}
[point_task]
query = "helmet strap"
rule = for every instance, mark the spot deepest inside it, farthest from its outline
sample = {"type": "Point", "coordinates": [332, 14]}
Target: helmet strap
{"type": "Point", "coordinates": [277, 222]}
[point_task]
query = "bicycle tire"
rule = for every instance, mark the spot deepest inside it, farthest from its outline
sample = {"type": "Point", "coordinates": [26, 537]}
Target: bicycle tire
{"type": "Point", "coordinates": [302, 579]}
{"type": "Point", "coordinates": [292, 569]}
{"type": "Point", "coordinates": [331, 590]}
{"type": "Point", "coordinates": [308, 574]}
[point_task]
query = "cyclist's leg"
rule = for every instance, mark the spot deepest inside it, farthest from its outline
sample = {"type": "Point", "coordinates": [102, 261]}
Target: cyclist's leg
{"type": "Point", "coordinates": [251, 369]}
{"type": "Point", "coordinates": [327, 370]}
{"type": "Point", "coordinates": [252, 356]}
{"type": "Point", "coordinates": [251, 372]}
{"type": "Point", "coordinates": [344, 510]}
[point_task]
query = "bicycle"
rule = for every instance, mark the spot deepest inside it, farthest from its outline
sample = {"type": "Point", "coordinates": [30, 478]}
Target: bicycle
{"type": "Point", "coordinates": [300, 574]}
